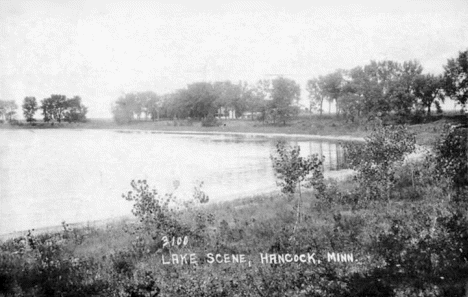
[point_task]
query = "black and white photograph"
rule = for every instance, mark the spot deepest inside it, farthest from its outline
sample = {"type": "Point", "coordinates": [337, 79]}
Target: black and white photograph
{"type": "Point", "coordinates": [234, 148]}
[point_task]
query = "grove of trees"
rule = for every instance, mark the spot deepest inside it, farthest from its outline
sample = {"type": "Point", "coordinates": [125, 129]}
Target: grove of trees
{"type": "Point", "coordinates": [389, 87]}
{"type": "Point", "coordinates": [379, 88]}
{"type": "Point", "coordinates": [55, 108]}
{"type": "Point", "coordinates": [274, 100]}
{"type": "Point", "coordinates": [59, 108]}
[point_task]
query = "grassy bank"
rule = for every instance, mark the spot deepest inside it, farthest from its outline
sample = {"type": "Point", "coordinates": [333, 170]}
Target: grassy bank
{"type": "Point", "coordinates": [397, 249]}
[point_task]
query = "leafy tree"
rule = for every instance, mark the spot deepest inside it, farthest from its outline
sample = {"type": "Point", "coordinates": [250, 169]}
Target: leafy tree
{"type": "Point", "coordinates": [8, 109]}
{"type": "Point", "coordinates": [122, 110]}
{"type": "Point", "coordinates": [451, 155]}
{"type": "Point", "coordinates": [153, 105]}
{"type": "Point", "coordinates": [292, 170]}
{"type": "Point", "coordinates": [456, 78]}
{"type": "Point", "coordinates": [262, 97]}
{"type": "Point", "coordinates": [284, 93]}
{"type": "Point", "coordinates": [53, 108]}
{"type": "Point", "coordinates": [331, 87]}
{"type": "Point", "coordinates": [377, 159]}
{"type": "Point", "coordinates": [316, 94]}
{"type": "Point", "coordinates": [401, 86]}
{"type": "Point", "coordinates": [230, 96]}
{"type": "Point", "coordinates": [253, 99]}
{"type": "Point", "coordinates": [47, 107]}
{"type": "Point", "coordinates": [428, 89]}
{"type": "Point", "coordinates": [59, 103]}
{"type": "Point", "coordinates": [29, 108]}
{"type": "Point", "coordinates": [200, 100]}
{"type": "Point", "coordinates": [75, 111]}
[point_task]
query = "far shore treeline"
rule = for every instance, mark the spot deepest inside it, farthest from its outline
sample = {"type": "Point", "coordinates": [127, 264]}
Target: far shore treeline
{"type": "Point", "coordinates": [381, 88]}
{"type": "Point", "coordinates": [56, 108]}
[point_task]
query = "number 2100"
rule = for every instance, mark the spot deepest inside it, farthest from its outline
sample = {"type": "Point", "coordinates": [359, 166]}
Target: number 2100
{"type": "Point", "coordinates": [179, 241]}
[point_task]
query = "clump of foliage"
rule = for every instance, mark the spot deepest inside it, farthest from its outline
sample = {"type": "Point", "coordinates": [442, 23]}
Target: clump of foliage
{"type": "Point", "coordinates": [8, 110]}
{"type": "Point", "coordinates": [29, 108]}
{"type": "Point", "coordinates": [210, 121]}
{"type": "Point", "coordinates": [377, 159]}
{"type": "Point", "coordinates": [157, 213]}
{"type": "Point", "coordinates": [295, 171]}
{"type": "Point", "coordinates": [451, 155]}
{"type": "Point", "coordinates": [167, 215]}
{"type": "Point", "coordinates": [59, 108]}
{"type": "Point", "coordinates": [43, 265]}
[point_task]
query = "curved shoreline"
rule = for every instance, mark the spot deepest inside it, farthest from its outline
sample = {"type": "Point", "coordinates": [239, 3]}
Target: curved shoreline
{"type": "Point", "coordinates": [336, 175]}
{"type": "Point", "coordinates": [257, 134]}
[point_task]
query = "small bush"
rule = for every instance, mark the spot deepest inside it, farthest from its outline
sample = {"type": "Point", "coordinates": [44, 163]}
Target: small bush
{"type": "Point", "coordinates": [211, 121]}
{"type": "Point", "coordinates": [451, 155]}
{"type": "Point", "coordinates": [157, 213]}
{"type": "Point", "coordinates": [378, 158]}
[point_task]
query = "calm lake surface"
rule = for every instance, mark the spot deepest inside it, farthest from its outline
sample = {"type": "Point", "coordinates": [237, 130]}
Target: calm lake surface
{"type": "Point", "coordinates": [50, 176]}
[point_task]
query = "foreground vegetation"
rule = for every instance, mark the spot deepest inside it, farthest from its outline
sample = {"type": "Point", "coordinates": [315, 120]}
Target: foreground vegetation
{"type": "Point", "coordinates": [402, 226]}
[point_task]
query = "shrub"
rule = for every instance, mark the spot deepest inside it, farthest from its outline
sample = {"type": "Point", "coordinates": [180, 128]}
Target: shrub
{"type": "Point", "coordinates": [377, 159]}
{"type": "Point", "coordinates": [157, 213]}
{"type": "Point", "coordinates": [43, 266]}
{"type": "Point", "coordinates": [210, 121]}
{"type": "Point", "coordinates": [451, 155]}
{"type": "Point", "coordinates": [292, 170]}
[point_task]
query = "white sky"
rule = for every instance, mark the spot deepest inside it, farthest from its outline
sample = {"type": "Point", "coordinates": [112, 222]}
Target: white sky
{"type": "Point", "coordinates": [100, 49]}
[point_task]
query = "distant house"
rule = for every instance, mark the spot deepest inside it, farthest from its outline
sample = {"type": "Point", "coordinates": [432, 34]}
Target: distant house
{"type": "Point", "coordinates": [249, 115]}
{"type": "Point", "coordinates": [226, 113]}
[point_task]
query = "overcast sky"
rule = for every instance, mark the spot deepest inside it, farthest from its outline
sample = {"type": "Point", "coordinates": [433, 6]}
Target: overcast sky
{"type": "Point", "coordinates": [100, 50]}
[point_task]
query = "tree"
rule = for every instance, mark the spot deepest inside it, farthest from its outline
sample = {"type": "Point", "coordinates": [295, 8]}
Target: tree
{"type": "Point", "coordinates": [450, 154]}
{"type": "Point", "coordinates": [292, 170]}
{"type": "Point", "coordinates": [29, 108]}
{"type": "Point", "coordinates": [153, 105]}
{"type": "Point", "coordinates": [284, 93]}
{"type": "Point", "coordinates": [47, 107]}
{"type": "Point", "coordinates": [316, 93]}
{"type": "Point", "coordinates": [54, 107]}
{"type": "Point", "coordinates": [8, 109]}
{"type": "Point", "coordinates": [59, 102]}
{"type": "Point", "coordinates": [74, 110]}
{"type": "Point", "coordinates": [230, 96]}
{"type": "Point", "coordinates": [428, 90]}
{"type": "Point", "coordinates": [377, 159]}
{"type": "Point", "coordinates": [199, 100]}
{"type": "Point", "coordinates": [401, 86]}
{"type": "Point", "coordinates": [122, 110]}
{"type": "Point", "coordinates": [254, 102]}
{"type": "Point", "coordinates": [331, 87]}
{"type": "Point", "coordinates": [456, 78]}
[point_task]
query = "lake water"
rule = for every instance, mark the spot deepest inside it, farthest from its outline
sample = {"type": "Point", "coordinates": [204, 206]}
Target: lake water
{"type": "Point", "coordinates": [50, 176]}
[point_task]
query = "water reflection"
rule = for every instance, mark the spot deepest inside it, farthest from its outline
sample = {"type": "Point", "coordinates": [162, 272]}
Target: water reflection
{"type": "Point", "coordinates": [47, 176]}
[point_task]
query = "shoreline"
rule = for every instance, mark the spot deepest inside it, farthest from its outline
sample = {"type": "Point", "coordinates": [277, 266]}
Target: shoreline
{"type": "Point", "coordinates": [255, 134]}
{"type": "Point", "coordinates": [102, 223]}
{"type": "Point", "coordinates": [59, 228]}
{"type": "Point", "coordinates": [341, 137]}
